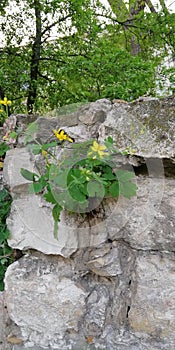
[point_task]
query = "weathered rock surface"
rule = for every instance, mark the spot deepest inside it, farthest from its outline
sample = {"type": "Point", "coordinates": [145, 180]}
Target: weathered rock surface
{"type": "Point", "coordinates": [107, 282]}
{"type": "Point", "coordinates": [147, 126]}
{"type": "Point", "coordinates": [153, 299]}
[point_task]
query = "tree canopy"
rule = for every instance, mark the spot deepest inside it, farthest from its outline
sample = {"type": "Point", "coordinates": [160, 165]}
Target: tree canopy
{"type": "Point", "coordinates": [59, 52]}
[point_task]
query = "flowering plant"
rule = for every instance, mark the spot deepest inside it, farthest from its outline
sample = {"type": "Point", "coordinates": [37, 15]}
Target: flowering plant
{"type": "Point", "coordinates": [79, 178]}
{"type": "Point", "coordinates": [4, 112]}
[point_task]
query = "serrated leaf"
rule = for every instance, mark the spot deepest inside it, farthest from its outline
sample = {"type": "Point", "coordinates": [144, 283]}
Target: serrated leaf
{"type": "Point", "coordinates": [49, 197]}
{"type": "Point", "coordinates": [128, 189]}
{"type": "Point", "coordinates": [114, 189]}
{"type": "Point", "coordinates": [124, 175]}
{"type": "Point", "coordinates": [28, 175]}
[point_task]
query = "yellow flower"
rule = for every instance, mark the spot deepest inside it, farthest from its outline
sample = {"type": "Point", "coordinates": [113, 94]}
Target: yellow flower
{"type": "Point", "coordinates": [98, 149]}
{"type": "Point", "coordinates": [1, 111]}
{"type": "Point", "coordinates": [44, 153]}
{"type": "Point", "coordinates": [5, 102]}
{"type": "Point", "coordinates": [1, 165]}
{"type": "Point", "coordinates": [61, 135]}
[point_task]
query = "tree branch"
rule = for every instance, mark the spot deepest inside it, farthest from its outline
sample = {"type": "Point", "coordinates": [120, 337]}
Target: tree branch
{"type": "Point", "coordinates": [151, 6]}
{"type": "Point", "coordinates": [54, 24]}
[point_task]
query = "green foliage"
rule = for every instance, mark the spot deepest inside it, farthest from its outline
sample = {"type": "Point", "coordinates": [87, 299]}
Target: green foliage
{"type": "Point", "coordinates": [81, 179]}
{"type": "Point", "coordinates": [92, 56]}
{"type": "Point", "coordinates": [106, 71]}
{"type": "Point", "coordinates": [3, 148]}
{"type": "Point", "coordinates": [6, 257]}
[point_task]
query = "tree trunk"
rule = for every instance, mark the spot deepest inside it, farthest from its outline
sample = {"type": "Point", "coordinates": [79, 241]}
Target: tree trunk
{"type": "Point", "coordinates": [35, 59]}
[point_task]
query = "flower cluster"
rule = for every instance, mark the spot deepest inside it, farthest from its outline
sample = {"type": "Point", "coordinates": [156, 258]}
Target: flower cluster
{"type": "Point", "coordinates": [97, 150]}
{"type": "Point", "coordinates": [4, 112]}
{"type": "Point", "coordinates": [5, 102]}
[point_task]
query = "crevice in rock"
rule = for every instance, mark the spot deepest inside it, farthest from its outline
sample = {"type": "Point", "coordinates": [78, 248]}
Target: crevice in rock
{"type": "Point", "coordinates": [156, 167]}
{"type": "Point", "coordinates": [128, 309]}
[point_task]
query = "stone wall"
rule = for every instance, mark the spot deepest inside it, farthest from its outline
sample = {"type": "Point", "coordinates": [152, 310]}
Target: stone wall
{"type": "Point", "coordinates": [109, 282]}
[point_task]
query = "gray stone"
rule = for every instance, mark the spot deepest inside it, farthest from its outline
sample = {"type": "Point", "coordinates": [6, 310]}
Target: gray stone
{"type": "Point", "coordinates": [36, 231]}
{"type": "Point", "coordinates": [153, 296]}
{"type": "Point", "coordinates": [21, 347]}
{"type": "Point", "coordinates": [16, 159]}
{"type": "Point", "coordinates": [147, 221]}
{"type": "Point", "coordinates": [147, 127]}
{"type": "Point", "coordinates": [9, 332]}
{"type": "Point", "coordinates": [44, 126]}
{"type": "Point", "coordinates": [108, 282]}
{"type": "Point", "coordinates": [95, 112]}
{"type": "Point", "coordinates": [43, 300]}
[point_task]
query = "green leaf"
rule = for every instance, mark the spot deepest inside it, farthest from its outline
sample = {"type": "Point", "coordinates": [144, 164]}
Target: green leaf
{"type": "Point", "coordinates": [110, 140]}
{"type": "Point", "coordinates": [124, 175]}
{"type": "Point", "coordinates": [49, 197]}
{"type": "Point", "coordinates": [28, 175]}
{"type": "Point", "coordinates": [3, 260]}
{"type": "Point", "coordinates": [59, 178]}
{"type": "Point", "coordinates": [128, 189]}
{"type": "Point", "coordinates": [108, 173]}
{"type": "Point", "coordinates": [56, 212]}
{"type": "Point", "coordinates": [31, 130]}
{"type": "Point", "coordinates": [56, 215]}
{"type": "Point", "coordinates": [3, 195]}
{"type": "Point", "coordinates": [3, 148]}
{"type": "Point", "coordinates": [36, 187]}
{"type": "Point", "coordinates": [95, 189]}
{"type": "Point", "coordinates": [114, 189]}
{"type": "Point", "coordinates": [49, 145]}
{"type": "Point", "coordinates": [76, 194]}
{"type": "Point", "coordinates": [4, 233]}
{"type": "Point", "coordinates": [13, 134]}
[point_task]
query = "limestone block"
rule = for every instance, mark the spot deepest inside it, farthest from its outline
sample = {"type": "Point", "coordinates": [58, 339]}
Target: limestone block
{"type": "Point", "coordinates": [16, 159]}
{"type": "Point", "coordinates": [31, 225]}
{"type": "Point", "coordinates": [146, 221]}
{"type": "Point", "coordinates": [95, 112]}
{"type": "Point", "coordinates": [106, 260]}
{"type": "Point", "coordinates": [45, 126]}
{"type": "Point", "coordinates": [43, 300]}
{"type": "Point", "coordinates": [97, 303]}
{"type": "Point", "coordinates": [153, 296]}
{"type": "Point", "coordinates": [146, 126]}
